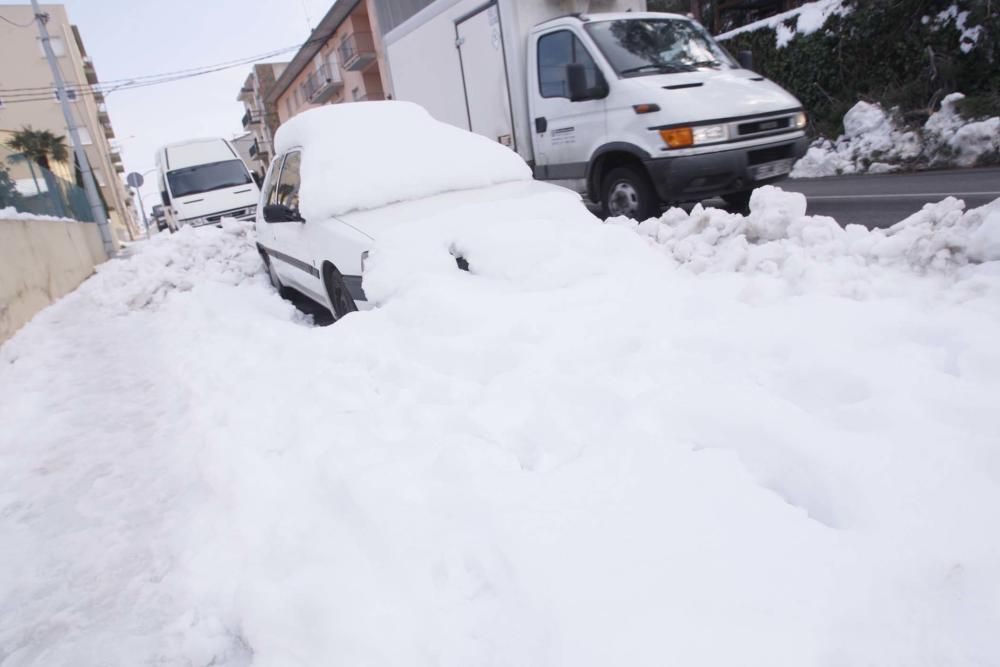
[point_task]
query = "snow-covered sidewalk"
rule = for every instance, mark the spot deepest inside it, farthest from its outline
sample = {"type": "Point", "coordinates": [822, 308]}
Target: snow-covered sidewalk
{"type": "Point", "coordinates": [717, 441]}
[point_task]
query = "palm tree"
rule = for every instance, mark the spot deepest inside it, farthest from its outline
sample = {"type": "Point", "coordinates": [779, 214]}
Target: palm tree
{"type": "Point", "coordinates": [40, 146]}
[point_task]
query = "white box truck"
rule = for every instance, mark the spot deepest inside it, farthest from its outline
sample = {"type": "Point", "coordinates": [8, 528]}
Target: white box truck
{"type": "Point", "coordinates": [202, 181]}
{"type": "Point", "coordinates": [633, 109]}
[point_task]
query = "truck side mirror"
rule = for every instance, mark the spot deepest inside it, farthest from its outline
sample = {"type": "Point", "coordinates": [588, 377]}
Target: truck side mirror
{"type": "Point", "coordinates": [745, 59]}
{"type": "Point", "coordinates": [165, 197]}
{"type": "Point", "coordinates": [576, 80]}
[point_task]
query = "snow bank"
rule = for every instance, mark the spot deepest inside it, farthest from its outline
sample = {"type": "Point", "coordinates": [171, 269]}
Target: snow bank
{"type": "Point", "coordinates": [874, 141]}
{"type": "Point", "coordinates": [11, 213]}
{"type": "Point", "coordinates": [778, 238]}
{"type": "Point", "coordinates": [596, 447]}
{"type": "Point", "coordinates": [807, 19]}
{"type": "Point", "coordinates": [352, 157]}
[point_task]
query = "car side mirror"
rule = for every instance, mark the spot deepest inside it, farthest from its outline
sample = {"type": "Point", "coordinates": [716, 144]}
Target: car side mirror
{"type": "Point", "coordinates": [745, 59]}
{"type": "Point", "coordinates": [281, 213]}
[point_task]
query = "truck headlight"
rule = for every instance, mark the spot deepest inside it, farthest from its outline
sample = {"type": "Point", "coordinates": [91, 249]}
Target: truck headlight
{"type": "Point", "coordinates": [707, 134]}
{"type": "Point", "coordinates": [799, 120]}
{"type": "Point", "coordinates": [679, 137]}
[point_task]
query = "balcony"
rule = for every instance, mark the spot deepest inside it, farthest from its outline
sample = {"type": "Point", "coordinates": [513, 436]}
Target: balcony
{"type": "Point", "coordinates": [108, 132]}
{"type": "Point", "coordinates": [99, 96]}
{"type": "Point", "coordinates": [115, 156]}
{"type": "Point", "coordinates": [102, 114]}
{"type": "Point", "coordinates": [119, 168]}
{"type": "Point", "coordinates": [356, 51]}
{"type": "Point", "coordinates": [249, 119]}
{"type": "Point", "coordinates": [323, 83]}
{"type": "Point", "coordinates": [370, 97]}
{"type": "Point", "coordinates": [88, 69]}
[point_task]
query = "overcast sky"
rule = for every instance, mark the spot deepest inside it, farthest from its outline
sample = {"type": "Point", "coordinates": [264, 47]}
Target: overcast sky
{"type": "Point", "coordinates": [127, 38]}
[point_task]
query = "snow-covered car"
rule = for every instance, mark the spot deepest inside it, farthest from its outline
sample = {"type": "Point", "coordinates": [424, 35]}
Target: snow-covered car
{"type": "Point", "coordinates": [345, 174]}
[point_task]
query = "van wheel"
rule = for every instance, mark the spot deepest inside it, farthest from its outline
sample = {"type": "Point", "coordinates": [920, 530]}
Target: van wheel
{"type": "Point", "coordinates": [738, 202]}
{"type": "Point", "coordinates": [341, 301]}
{"type": "Point", "coordinates": [627, 191]}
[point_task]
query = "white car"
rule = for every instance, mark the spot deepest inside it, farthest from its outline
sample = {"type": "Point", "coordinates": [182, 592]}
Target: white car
{"type": "Point", "coordinates": [344, 174]}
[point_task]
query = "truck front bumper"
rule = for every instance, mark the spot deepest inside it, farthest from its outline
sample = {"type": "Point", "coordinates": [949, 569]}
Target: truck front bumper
{"type": "Point", "coordinates": [697, 177]}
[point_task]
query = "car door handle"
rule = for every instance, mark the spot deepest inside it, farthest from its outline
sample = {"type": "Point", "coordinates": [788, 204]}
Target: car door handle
{"type": "Point", "coordinates": [541, 124]}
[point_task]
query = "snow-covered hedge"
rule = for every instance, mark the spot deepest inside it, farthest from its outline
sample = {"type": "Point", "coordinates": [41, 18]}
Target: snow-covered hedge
{"type": "Point", "coordinates": [904, 54]}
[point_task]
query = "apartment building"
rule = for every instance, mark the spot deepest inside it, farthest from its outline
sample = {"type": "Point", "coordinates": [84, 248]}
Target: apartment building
{"type": "Point", "coordinates": [341, 62]}
{"type": "Point", "coordinates": [260, 117]}
{"type": "Point", "coordinates": [32, 100]}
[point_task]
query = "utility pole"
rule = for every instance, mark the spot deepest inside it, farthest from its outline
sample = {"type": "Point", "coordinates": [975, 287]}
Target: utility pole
{"type": "Point", "coordinates": [96, 207]}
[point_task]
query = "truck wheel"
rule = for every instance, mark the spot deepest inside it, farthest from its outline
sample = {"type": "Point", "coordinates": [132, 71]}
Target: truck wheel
{"type": "Point", "coordinates": [341, 301]}
{"type": "Point", "coordinates": [627, 191]}
{"type": "Point", "coordinates": [738, 202]}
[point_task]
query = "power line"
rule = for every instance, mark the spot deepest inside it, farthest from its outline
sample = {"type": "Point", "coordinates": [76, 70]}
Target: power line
{"type": "Point", "coordinates": [17, 25]}
{"type": "Point", "coordinates": [11, 94]}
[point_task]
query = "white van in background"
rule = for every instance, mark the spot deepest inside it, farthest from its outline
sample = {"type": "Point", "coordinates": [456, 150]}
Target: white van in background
{"type": "Point", "coordinates": [203, 180]}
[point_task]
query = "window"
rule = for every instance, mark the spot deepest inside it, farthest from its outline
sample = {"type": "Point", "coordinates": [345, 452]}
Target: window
{"type": "Point", "coordinates": [271, 183]}
{"type": "Point", "coordinates": [71, 94]}
{"type": "Point", "coordinates": [84, 135]}
{"type": "Point", "coordinates": [640, 47]}
{"type": "Point", "coordinates": [57, 44]}
{"type": "Point", "coordinates": [555, 51]}
{"type": "Point", "coordinates": [208, 177]}
{"type": "Point", "coordinates": [287, 192]}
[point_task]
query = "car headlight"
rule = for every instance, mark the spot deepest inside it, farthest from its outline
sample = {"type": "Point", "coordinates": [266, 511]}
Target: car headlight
{"type": "Point", "coordinates": [252, 210]}
{"type": "Point", "coordinates": [800, 120]}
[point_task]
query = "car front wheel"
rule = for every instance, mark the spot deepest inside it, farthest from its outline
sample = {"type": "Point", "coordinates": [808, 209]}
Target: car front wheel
{"type": "Point", "coordinates": [341, 301]}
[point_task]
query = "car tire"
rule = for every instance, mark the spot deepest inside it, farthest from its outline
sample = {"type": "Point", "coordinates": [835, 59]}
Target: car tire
{"type": "Point", "coordinates": [738, 202]}
{"type": "Point", "coordinates": [339, 297]}
{"type": "Point", "coordinates": [627, 191]}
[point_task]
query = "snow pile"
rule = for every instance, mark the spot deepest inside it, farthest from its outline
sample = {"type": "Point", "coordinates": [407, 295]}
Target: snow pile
{"type": "Point", "coordinates": [580, 452]}
{"type": "Point", "coordinates": [806, 20]}
{"type": "Point", "coordinates": [778, 238]}
{"type": "Point", "coordinates": [874, 141]}
{"type": "Point", "coordinates": [359, 144]}
{"type": "Point", "coordinates": [953, 139]}
{"type": "Point", "coordinates": [11, 213]}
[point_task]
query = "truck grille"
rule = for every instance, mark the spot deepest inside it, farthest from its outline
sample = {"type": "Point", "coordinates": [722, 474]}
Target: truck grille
{"type": "Point", "coordinates": [763, 125]}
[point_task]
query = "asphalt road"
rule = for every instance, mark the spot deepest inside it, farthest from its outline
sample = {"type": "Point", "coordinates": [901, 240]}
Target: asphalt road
{"type": "Point", "coordinates": [881, 200]}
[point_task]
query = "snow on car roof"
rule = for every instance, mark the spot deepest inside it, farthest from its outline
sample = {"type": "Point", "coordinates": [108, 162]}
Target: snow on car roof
{"type": "Point", "coordinates": [366, 155]}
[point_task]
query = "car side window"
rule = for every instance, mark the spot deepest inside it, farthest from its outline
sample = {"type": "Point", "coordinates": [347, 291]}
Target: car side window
{"type": "Point", "coordinates": [287, 191]}
{"type": "Point", "coordinates": [555, 51]}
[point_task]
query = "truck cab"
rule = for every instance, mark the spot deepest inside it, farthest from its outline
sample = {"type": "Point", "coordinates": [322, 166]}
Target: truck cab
{"type": "Point", "coordinates": [202, 181]}
{"type": "Point", "coordinates": [632, 109]}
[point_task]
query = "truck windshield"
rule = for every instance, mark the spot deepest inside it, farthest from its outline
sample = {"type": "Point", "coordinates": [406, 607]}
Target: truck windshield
{"type": "Point", "coordinates": [637, 47]}
{"type": "Point", "coordinates": [206, 177]}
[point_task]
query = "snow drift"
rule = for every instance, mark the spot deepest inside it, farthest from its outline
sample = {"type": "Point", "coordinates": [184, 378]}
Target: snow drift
{"type": "Point", "coordinates": [874, 141]}
{"type": "Point", "coordinates": [359, 145]}
{"type": "Point", "coordinates": [728, 440]}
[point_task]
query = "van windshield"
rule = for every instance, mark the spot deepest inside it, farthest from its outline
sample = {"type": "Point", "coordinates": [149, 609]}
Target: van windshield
{"type": "Point", "coordinates": [207, 177]}
{"type": "Point", "coordinates": [637, 47]}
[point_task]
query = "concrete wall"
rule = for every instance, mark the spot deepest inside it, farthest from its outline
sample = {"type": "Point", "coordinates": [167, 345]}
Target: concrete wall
{"type": "Point", "coordinates": [40, 261]}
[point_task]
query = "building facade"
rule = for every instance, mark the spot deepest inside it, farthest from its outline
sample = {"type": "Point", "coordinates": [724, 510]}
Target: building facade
{"type": "Point", "coordinates": [32, 101]}
{"type": "Point", "coordinates": [260, 117]}
{"type": "Point", "coordinates": [342, 61]}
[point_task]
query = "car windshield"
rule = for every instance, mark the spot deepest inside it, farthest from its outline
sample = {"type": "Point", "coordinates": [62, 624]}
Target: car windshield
{"type": "Point", "coordinates": [636, 47]}
{"type": "Point", "coordinates": [206, 177]}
